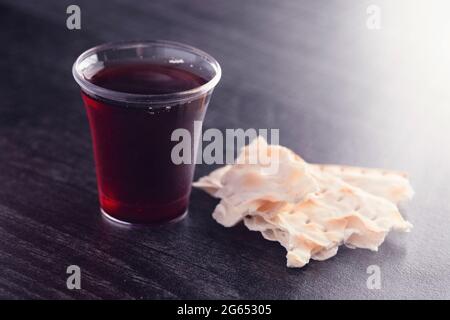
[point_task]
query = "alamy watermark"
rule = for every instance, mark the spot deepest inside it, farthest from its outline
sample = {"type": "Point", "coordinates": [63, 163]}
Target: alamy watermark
{"type": "Point", "coordinates": [74, 279]}
{"type": "Point", "coordinates": [73, 21]}
{"type": "Point", "coordinates": [373, 21]}
{"type": "Point", "coordinates": [222, 148]}
{"type": "Point", "coordinates": [374, 280]}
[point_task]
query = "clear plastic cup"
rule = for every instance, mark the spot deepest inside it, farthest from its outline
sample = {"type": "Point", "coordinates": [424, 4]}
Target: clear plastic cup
{"type": "Point", "coordinates": [136, 94]}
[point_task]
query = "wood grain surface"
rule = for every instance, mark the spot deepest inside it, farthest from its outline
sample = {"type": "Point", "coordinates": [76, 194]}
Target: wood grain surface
{"type": "Point", "coordinates": [338, 91]}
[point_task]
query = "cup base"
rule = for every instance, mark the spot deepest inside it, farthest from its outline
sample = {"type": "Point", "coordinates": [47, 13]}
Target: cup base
{"type": "Point", "coordinates": [127, 223]}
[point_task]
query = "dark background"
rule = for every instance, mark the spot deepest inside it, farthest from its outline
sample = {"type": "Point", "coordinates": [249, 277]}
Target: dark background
{"type": "Point", "coordinates": [339, 92]}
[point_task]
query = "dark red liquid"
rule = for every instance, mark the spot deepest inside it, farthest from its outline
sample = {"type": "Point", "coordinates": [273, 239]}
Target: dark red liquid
{"type": "Point", "coordinates": [138, 182]}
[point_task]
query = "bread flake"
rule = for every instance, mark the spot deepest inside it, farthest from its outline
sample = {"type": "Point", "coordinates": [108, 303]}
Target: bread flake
{"type": "Point", "coordinates": [310, 209]}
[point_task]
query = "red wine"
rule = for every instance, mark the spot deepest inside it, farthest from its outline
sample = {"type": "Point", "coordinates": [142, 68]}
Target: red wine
{"type": "Point", "coordinates": [146, 78]}
{"type": "Point", "coordinates": [137, 179]}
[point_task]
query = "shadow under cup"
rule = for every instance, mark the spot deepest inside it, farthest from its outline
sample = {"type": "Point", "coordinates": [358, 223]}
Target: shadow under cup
{"type": "Point", "coordinates": [136, 95]}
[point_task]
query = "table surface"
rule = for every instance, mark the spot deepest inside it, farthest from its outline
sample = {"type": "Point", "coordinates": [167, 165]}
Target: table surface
{"type": "Point", "coordinates": [339, 92]}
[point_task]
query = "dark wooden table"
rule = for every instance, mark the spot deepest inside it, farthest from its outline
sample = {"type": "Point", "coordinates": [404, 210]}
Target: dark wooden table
{"type": "Point", "coordinates": [339, 92]}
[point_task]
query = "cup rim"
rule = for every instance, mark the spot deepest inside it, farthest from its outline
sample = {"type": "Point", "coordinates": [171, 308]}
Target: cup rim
{"type": "Point", "coordinates": [142, 99]}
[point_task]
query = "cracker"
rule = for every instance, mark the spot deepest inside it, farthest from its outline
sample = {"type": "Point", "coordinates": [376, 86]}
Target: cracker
{"type": "Point", "coordinates": [247, 188]}
{"type": "Point", "coordinates": [212, 182]}
{"type": "Point", "coordinates": [339, 214]}
{"type": "Point", "coordinates": [309, 209]}
{"type": "Point", "coordinates": [392, 185]}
